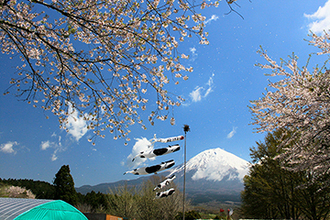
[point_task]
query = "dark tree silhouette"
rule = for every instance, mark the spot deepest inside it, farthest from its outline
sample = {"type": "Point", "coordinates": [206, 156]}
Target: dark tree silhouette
{"type": "Point", "coordinates": [64, 186]}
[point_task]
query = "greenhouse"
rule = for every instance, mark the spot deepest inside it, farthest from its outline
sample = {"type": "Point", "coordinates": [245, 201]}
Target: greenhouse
{"type": "Point", "coordinates": [39, 209]}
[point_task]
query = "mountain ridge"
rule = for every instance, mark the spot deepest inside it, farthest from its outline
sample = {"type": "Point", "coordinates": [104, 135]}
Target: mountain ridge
{"type": "Point", "coordinates": [211, 174]}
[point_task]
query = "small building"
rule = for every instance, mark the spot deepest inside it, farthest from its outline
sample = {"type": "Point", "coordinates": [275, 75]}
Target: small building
{"type": "Point", "coordinates": [38, 209]}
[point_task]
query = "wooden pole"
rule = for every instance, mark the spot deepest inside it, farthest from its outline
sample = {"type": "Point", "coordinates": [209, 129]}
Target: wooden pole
{"type": "Point", "coordinates": [185, 129]}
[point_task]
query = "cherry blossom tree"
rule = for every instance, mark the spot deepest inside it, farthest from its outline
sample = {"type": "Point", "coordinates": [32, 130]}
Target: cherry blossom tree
{"type": "Point", "coordinates": [100, 57]}
{"type": "Point", "coordinates": [16, 192]}
{"type": "Point", "coordinates": [300, 103]}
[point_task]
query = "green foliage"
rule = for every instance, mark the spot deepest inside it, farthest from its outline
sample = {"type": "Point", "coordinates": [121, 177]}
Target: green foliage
{"type": "Point", "coordinates": [64, 186]}
{"type": "Point", "coordinates": [140, 203]}
{"type": "Point", "coordinates": [131, 202]}
{"type": "Point", "coordinates": [96, 200]}
{"type": "Point", "coordinates": [270, 191]}
{"type": "Point", "coordinates": [179, 216]}
{"type": "Point", "coordinates": [92, 202]}
{"type": "Point", "coordinates": [41, 189]}
{"type": "Point", "coordinates": [122, 202]}
{"type": "Point", "coordinates": [190, 215]}
{"type": "Point", "coordinates": [148, 207]}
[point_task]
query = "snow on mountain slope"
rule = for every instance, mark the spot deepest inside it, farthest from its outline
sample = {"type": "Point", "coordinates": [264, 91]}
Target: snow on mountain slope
{"type": "Point", "coordinates": [212, 175]}
{"type": "Point", "coordinates": [214, 165]}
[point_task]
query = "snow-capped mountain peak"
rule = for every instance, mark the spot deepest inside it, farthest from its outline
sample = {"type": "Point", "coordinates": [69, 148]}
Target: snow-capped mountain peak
{"type": "Point", "coordinates": [212, 175]}
{"type": "Point", "coordinates": [214, 165]}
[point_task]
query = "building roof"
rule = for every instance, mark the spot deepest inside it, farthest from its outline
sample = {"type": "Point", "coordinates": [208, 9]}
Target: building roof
{"type": "Point", "coordinates": [39, 209]}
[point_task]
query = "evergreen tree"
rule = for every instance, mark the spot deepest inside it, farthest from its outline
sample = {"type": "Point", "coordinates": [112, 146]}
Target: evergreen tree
{"type": "Point", "coordinates": [271, 191]}
{"type": "Point", "coordinates": [64, 186]}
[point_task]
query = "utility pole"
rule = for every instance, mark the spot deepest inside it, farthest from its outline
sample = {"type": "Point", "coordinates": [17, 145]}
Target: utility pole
{"type": "Point", "coordinates": [185, 129]}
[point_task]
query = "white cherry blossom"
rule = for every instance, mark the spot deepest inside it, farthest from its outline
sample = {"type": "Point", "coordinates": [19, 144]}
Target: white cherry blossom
{"type": "Point", "coordinates": [99, 55]}
{"type": "Point", "coordinates": [300, 104]}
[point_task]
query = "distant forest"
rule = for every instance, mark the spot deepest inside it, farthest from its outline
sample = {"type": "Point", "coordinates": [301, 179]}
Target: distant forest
{"type": "Point", "coordinates": [41, 189]}
{"type": "Point", "coordinates": [129, 202]}
{"type": "Point", "coordinates": [45, 190]}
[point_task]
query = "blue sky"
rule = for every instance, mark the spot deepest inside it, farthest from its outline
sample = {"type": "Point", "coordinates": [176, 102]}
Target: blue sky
{"type": "Point", "coordinates": [217, 94]}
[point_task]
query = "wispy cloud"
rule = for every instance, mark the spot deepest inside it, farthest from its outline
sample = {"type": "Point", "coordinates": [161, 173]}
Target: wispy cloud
{"type": "Point", "coordinates": [194, 53]}
{"type": "Point", "coordinates": [76, 125]}
{"type": "Point", "coordinates": [210, 86]}
{"type": "Point", "coordinates": [54, 157]}
{"type": "Point", "coordinates": [321, 19]}
{"type": "Point", "coordinates": [213, 18]}
{"type": "Point", "coordinates": [8, 147]}
{"type": "Point", "coordinates": [232, 133]}
{"type": "Point", "coordinates": [46, 144]}
{"type": "Point", "coordinates": [55, 145]}
{"type": "Point", "coordinates": [192, 50]}
{"type": "Point", "coordinates": [140, 145]}
{"type": "Point", "coordinates": [196, 95]}
{"type": "Point", "coordinates": [201, 92]}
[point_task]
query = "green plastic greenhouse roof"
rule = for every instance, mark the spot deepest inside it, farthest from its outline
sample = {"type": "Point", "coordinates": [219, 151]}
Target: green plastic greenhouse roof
{"type": "Point", "coordinates": [19, 209]}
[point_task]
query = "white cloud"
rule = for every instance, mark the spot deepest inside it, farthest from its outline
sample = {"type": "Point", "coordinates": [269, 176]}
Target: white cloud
{"type": "Point", "coordinates": [45, 145]}
{"type": "Point", "coordinates": [76, 125]}
{"type": "Point", "coordinates": [56, 146]}
{"type": "Point", "coordinates": [210, 82]}
{"type": "Point", "coordinates": [321, 19]}
{"type": "Point", "coordinates": [196, 94]}
{"type": "Point", "coordinates": [210, 86]}
{"type": "Point", "coordinates": [213, 18]}
{"type": "Point", "coordinates": [202, 92]}
{"type": "Point", "coordinates": [140, 145]}
{"type": "Point", "coordinates": [232, 133]}
{"type": "Point", "coordinates": [54, 157]}
{"type": "Point", "coordinates": [8, 147]}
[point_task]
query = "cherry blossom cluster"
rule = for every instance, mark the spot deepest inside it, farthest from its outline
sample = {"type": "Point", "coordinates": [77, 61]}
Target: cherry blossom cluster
{"type": "Point", "coordinates": [18, 192]}
{"type": "Point", "coordinates": [299, 103]}
{"type": "Point", "coordinates": [100, 56]}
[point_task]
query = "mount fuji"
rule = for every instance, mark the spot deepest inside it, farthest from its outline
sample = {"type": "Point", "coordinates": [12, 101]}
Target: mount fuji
{"type": "Point", "coordinates": [213, 174]}
{"type": "Point", "coordinates": [214, 165]}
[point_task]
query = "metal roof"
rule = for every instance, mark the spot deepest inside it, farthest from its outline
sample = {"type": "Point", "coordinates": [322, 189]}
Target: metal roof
{"type": "Point", "coordinates": [14, 208]}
